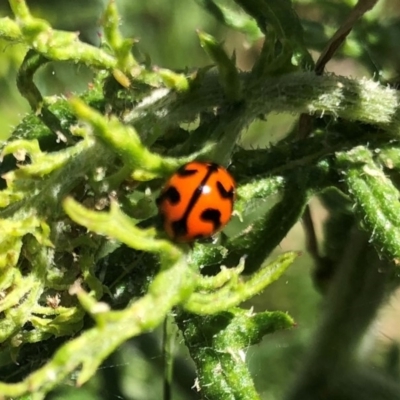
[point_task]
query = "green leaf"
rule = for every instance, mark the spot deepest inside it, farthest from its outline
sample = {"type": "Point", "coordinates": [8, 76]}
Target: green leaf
{"type": "Point", "coordinates": [119, 226]}
{"type": "Point", "coordinates": [229, 76]}
{"type": "Point", "coordinates": [237, 21]}
{"type": "Point", "coordinates": [236, 292]}
{"type": "Point", "coordinates": [284, 20]}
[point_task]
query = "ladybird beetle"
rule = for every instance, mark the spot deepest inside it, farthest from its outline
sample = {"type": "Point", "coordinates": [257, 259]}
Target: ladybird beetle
{"type": "Point", "coordinates": [197, 201]}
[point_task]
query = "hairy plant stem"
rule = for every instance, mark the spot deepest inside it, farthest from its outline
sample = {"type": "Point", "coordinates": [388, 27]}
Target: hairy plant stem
{"type": "Point", "coordinates": [360, 100]}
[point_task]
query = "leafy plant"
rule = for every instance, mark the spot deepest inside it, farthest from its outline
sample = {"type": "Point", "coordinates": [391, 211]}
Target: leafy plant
{"type": "Point", "coordinates": [84, 266]}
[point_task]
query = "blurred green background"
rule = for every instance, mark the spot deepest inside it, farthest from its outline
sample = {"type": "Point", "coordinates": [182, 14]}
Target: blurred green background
{"type": "Point", "coordinates": [166, 30]}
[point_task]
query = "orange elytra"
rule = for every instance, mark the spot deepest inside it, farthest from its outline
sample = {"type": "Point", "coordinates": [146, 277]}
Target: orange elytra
{"type": "Point", "coordinates": [197, 201]}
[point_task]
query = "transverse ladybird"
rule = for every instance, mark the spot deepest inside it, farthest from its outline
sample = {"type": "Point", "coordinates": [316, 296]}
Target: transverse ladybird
{"type": "Point", "coordinates": [197, 201]}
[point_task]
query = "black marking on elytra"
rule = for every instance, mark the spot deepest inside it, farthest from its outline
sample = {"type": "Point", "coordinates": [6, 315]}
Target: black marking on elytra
{"type": "Point", "coordinates": [185, 171]}
{"type": "Point", "coordinates": [171, 194]}
{"type": "Point", "coordinates": [225, 194]}
{"type": "Point", "coordinates": [212, 215]}
{"type": "Point", "coordinates": [179, 227]}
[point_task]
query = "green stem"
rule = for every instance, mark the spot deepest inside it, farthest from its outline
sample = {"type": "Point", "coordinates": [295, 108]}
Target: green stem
{"type": "Point", "coordinates": [168, 356]}
{"type": "Point", "coordinates": [360, 100]}
{"type": "Point", "coordinates": [375, 199]}
{"type": "Point", "coordinates": [218, 346]}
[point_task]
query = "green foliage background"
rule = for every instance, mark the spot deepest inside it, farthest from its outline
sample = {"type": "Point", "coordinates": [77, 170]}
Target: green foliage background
{"type": "Point", "coordinates": [167, 34]}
